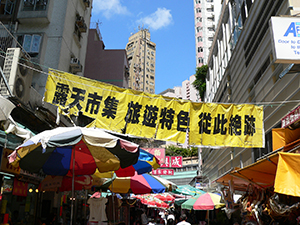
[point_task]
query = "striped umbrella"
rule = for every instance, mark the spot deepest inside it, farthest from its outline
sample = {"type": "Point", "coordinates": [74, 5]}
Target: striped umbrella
{"type": "Point", "coordinates": [207, 201]}
{"type": "Point", "coordinates": [137, 184]}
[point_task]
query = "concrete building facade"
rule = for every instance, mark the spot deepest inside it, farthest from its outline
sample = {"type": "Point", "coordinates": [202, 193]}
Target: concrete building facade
{"type": "Point", "coordinates": [141, 54]}
{"type": "Point", "coordinates": [105, 65]}
{"type": "Point", "coordinates": [242, 70]}
{"type": "Point", "coordinates": [52, 33]}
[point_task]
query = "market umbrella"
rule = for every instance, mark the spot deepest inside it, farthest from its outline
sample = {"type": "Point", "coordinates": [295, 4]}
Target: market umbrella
{"type": "Point", "coordinates": [207, 201]}
{"type": "Point", "coordinates": [64, 183]}
{"type": "Point", "coordinates": [53, 151]}
{"type": "Point", "coordinates": [188, 190]}
{"type": "Point", "coordinates": [169, 184]}
{"type": "Point", "coordinates": [151, 201]}
{"type": "Point", "coordinates": [74, 151]}
{"type": "Point", "coordinates": [146, 162]}
{"type": "Point", "coordinates": [137, 184]}
{"type": "Point", "coordinates": [6, 107]}
{"type": "Point", "coordinates": [166, 197]}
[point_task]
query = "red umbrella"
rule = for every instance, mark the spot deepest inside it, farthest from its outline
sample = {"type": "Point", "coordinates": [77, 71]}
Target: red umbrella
{"type": "Point", "coordinates": [166, 197]}
{"type": "Point", "coordinates": [64, 183]}
{"type": "Point", "coordinates": [150, 200]}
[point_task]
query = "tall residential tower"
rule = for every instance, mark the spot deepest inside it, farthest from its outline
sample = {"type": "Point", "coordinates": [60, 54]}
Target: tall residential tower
{"type": "Point", "coordinates": [206, 14]}
{"type": "Point", "coordinates": [141, 54]}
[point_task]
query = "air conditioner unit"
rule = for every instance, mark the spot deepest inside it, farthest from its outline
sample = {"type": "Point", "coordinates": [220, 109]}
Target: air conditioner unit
{"type": "Point", "coordinates": [18, 72]}
{"type": "Point", "coordinates": [75, 65]}
{"type": "Point", "coordinates": [75, 61]}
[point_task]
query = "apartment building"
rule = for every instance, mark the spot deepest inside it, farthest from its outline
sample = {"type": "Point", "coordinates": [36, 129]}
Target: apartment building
{"type": "Point", "coordinates": [141, 54]}
{"type": "Point", "coordinates": [206, 13]}
{"type": "Point", "coordinates": [105, 65]}
{"type": "Point", "coordinates": [242, 69]}
{"type": "Point", "coordinates": [51, 34]}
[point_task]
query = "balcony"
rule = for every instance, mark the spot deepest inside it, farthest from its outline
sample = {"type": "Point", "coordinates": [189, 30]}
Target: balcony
{"type": "Point", "coordinates": [86, 3]}
{"type": "Point", "coordinates": [82, 27]}
{"type": "Point", "coordinates": [36, 11]}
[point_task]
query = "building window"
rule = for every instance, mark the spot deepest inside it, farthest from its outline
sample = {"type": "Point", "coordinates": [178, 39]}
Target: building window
{"type": "Point", "coordinates": [199, 39]}
{"type": "Point", "coordinates": [200, 60]}
{"type": "Point", "coordinates": [200, 49]}
{"type": "Point", "coordinates": [210, 9]}
{"type": "Point", "coordinates": [199, 29]}
{"type": "Point", "coordinates": [30, 43]}
{"type": "Point", "coordinates": [199, 19]}
{"type": "Point", "coordinates": [198, 1]}
{"type": "Point", "coordinates": [34, 5]}
{"type": "Point", "coordinates": [198, 10]}
{"type": "Point", "coordinates": [7, 7]}
{"type": "Point", "coordinates": [211, 18]}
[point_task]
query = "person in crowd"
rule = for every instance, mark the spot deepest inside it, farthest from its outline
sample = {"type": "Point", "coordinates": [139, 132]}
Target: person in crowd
{"type": "Point", "coordinates": [144, 217]}
{"type": "Point", "coordinates": [151, 221]}
{"type": "Point", "coordinates": [171, 219]}
{"type": "Point", "coordinates": [159, 221]}
{"type": "Point", "coordinates": [183, 221]}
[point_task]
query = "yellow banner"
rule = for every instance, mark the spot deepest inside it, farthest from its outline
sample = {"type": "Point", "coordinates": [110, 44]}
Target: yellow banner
{"type": "Point", "coordinates": [154, 116]}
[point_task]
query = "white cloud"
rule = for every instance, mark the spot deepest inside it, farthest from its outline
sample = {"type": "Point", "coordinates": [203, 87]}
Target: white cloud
{"type": "Point", "coordinates": [109, 8]}
{"type": "Point", "coordinates": [162, 17]}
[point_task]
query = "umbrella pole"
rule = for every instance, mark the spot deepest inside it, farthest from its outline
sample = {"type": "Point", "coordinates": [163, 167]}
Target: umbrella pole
{"type": "Point", "coordinates": [86, 195]}
{"type": "Point", "coordinates": [112, 187]}
{"type": "Point", "coordinates": [72, 203]}
{"type": "Point", "coordinates": [208, 217]}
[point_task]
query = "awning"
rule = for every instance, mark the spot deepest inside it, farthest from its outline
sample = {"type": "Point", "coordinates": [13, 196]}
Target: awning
{"type": "Point", "coordinates": [287, 179]}
{"type": "Point", "coordinates": [279, 170]}
{"type": "Point", "coordinates": [261, 174]}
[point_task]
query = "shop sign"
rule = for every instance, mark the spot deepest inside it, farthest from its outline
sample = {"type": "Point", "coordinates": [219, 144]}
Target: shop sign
{"type": "Point", "coordinates": [5, 165]}
{"type": "Point", "coordinates": [159, 153]}
{"type": "Point", "coordinates": [154, 116]}
{"type": "Point", "coordinates": [20, 188]}
{"type": "Point", "coordinates": [286, 39]}
{"type": "Point", "coordinates": [173, 161]}
{"type": "Point", "coordinates": [291, 118]}
{"type": "Point", "coordinates": [163, 172]}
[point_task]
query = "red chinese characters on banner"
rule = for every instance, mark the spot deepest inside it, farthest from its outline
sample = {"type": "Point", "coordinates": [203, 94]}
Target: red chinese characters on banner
{"type": "Point", "coordinates": [176, 161]}
{"type": "Point", "coordinates": [159, 153]}
{"type": "Point", "coordinates": [163, 172]}
{"type": "Point", "coordinates": [20, 188]}
{"type": "Point", "coordinates": [167, 162]}
{"type": "Point", "coordinates": [173, 161]}
{"type": "Point", "coordinates": [291, 118]}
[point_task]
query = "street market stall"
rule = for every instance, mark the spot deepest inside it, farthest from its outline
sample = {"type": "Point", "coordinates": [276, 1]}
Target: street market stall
{"type": "Point", "coordinates": [270, 185]}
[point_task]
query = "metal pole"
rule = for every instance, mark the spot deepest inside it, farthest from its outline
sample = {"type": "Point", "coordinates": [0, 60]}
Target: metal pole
{"type": "Point", "coordinates": [73, 177]}
{"type": "Point", "coordinates": [113, 202]}
{"type": "Point", "coordinates": [86, 195]}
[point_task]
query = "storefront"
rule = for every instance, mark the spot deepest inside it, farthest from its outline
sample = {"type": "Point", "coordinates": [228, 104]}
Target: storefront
{"type": "Point", "coordinates": [19, 197]}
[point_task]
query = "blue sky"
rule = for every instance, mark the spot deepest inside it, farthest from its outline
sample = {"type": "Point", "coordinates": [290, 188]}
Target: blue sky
{"type": "Point", "coordinates": [171, 24]}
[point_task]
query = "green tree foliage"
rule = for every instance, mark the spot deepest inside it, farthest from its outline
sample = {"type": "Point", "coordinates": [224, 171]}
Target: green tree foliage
{"type": "Point", "coordinates": [172, 150]}
{"type": "Point", "coordinates": [200, 82]}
